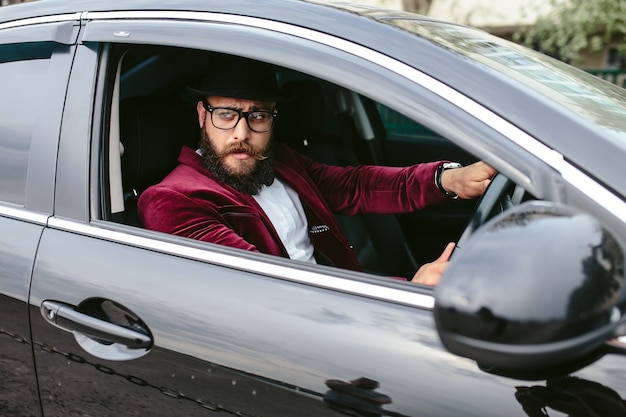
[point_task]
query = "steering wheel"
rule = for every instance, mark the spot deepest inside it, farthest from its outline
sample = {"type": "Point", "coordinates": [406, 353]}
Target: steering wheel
{"type": "Point", "coordinates": [501, 195]}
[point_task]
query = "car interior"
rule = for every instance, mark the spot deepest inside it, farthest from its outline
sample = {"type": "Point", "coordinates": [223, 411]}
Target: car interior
{"type": "Point", "coordinates": [326, 122]}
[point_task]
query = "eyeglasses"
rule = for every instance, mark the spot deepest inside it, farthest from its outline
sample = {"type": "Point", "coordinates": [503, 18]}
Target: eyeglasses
{"type": "Point", "coordinates": [226, 118]}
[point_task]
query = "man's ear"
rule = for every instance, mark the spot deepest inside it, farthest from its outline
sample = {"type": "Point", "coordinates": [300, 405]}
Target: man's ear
{"type": "Point", "coordinates": [201, 113]}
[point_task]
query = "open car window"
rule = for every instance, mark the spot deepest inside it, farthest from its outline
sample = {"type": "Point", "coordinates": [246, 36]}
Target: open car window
{"type": "Point", "coordinates": [324, 121]}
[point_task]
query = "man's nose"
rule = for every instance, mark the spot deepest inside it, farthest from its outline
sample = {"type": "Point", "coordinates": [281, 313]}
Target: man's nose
{"type": "Point", "coordinates": [242, 131]}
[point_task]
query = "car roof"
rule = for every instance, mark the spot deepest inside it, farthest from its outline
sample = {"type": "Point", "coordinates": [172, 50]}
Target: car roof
{"type": "Point", "coordinates": [272, 9]}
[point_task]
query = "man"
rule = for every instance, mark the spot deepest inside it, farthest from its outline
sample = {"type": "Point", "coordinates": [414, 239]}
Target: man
{"type": "Point", "coordinates": [239, 189]}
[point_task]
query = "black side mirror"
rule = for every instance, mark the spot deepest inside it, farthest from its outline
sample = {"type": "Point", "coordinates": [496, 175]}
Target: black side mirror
{"type": "Point", "coordinates": [534, 293]}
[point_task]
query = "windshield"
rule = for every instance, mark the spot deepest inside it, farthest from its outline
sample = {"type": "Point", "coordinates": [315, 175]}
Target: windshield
{"type": "Point", "coordinates": [597, 100]}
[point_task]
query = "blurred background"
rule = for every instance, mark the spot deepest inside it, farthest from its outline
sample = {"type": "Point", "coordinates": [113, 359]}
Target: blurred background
{"type": "Point", "coordinates": [589, 34]}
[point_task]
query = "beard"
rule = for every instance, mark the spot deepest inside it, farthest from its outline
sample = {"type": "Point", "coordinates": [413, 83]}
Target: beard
{"type": "Point", "coordinates": [248, 180]}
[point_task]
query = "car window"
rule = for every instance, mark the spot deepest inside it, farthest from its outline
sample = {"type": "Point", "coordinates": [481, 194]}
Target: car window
{"type": "Point", "coordinates": [22, 78]}
{"type": "Point", "coordinates": [396, 124]}
{"type": "Point", "coordinates": [322, 120]}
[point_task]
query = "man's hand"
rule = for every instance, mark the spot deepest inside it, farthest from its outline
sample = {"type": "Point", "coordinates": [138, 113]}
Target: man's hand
{"type": "Point", "coordinates": [468, 182]}
{"type": "Point", "coordinates": [430, 273]}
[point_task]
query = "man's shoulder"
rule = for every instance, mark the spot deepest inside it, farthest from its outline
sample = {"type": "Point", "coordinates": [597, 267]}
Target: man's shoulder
{"type": "Point", "coordinates": [189, 157]}
{"type": "Point", "coordinates": [186, 186]}
{"type": "Point", "coordinates": [188, 175]}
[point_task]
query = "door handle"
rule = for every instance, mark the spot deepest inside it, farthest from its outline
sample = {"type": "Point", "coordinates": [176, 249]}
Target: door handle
{"type": "Point", "coordinates": [66, 317]}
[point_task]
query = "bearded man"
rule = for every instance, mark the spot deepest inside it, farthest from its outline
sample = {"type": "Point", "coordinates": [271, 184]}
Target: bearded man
{"type": "Point", "coordinates": [241, 190]}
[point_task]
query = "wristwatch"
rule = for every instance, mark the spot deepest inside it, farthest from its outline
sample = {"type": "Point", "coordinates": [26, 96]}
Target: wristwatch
{"type": "Point", "coordinates": [438, 174]}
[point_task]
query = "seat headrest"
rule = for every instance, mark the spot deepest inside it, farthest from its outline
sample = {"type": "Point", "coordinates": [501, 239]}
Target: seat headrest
{"type": "Point", "coordinates": [302, 118]}
{"type": "Point", "coordinates": [153, 129]}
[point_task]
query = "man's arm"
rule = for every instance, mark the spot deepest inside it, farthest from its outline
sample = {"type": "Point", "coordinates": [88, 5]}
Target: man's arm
{"type": "Point", "coordinates": [370, 189]}
{"type": "Point", "coordinates": [168, 211]}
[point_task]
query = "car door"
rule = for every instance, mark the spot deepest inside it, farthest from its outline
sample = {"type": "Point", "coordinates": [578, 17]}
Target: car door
{"type": "Point", "coordinates": [135, 322]}
{"type": "Point", "coordinates": [34, 67]}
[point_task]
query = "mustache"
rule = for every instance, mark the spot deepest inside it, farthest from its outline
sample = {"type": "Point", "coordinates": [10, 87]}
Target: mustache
{"type": "Point", "coordinates": [244, 147]}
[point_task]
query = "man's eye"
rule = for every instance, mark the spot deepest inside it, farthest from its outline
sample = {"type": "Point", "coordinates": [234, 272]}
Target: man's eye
{"type": "Point", "coordinates": [226, 114]}
{"type": "Point", "coordinates": [259, 116]}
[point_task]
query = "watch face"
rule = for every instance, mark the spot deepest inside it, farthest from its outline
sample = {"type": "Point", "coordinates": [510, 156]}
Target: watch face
{"type": "Point", "coordinates": [443, 167]}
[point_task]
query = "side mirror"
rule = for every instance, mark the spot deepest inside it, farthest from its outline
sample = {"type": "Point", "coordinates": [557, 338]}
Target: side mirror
{"type": "Point", "coordinates": [534, 293]}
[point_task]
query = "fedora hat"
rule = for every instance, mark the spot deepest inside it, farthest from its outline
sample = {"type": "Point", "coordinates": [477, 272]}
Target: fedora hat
{"type": "Point", "coordinates": [237, 77]}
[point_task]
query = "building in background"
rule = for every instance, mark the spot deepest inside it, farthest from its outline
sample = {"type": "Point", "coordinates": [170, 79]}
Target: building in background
{"type": "Point", "coordinates": [501, 18]}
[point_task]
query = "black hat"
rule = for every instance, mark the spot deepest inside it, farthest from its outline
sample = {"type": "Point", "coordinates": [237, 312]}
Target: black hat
{"type": "Point", "coordinates": [237, 77]}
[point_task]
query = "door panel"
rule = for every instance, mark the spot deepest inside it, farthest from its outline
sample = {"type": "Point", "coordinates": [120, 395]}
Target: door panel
{"type": "Point", "coordinates": [252, 344]}
{"type": "Point", "coordinates": [18, 385]}
{"type": "Point", "coordinates": [247, 344]}
{"type": "Point", "coordinates": [196, 334]}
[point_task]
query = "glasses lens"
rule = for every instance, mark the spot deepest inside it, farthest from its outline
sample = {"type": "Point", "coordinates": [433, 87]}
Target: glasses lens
{"type": "Point", "coordinates": [224, 118]}
{"type": "Point", "coordinates": [260, 121]}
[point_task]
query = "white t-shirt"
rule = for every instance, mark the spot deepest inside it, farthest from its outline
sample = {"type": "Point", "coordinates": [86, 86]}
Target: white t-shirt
{"type": "Point", "coordinates": [282, 205]}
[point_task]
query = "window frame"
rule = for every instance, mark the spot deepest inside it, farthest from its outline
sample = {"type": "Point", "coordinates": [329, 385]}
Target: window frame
{"type": "Point", "coordinates": [40, 176]}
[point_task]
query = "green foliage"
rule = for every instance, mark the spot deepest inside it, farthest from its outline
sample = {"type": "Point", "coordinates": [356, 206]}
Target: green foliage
{"type": "Point", "coordinates": [574, 25]}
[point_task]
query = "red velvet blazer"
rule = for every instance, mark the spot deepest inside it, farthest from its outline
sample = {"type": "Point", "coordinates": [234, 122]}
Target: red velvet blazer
{"type": "Point", "coordinates": [190, 202]}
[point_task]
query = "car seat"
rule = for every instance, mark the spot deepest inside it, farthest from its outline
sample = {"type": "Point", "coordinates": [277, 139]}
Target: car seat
{"type": "Point", "coordinates": [152, 131]}
{"type": "Point", "coordinates": [378, 240]}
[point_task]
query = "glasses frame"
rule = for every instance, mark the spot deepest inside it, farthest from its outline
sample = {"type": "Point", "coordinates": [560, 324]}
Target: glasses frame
{"type": "Point", "coordinates": [242, 114]}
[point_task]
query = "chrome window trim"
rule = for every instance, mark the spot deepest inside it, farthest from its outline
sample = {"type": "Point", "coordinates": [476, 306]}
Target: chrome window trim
{"type": "Point", "coordinates": [23, 214]}
{"type": "Point", "coordinates": [572, 175]}
{"type": "Point", "coordinates": [41, 19]}
{"type": "Point", "coordinates": [233, 261]}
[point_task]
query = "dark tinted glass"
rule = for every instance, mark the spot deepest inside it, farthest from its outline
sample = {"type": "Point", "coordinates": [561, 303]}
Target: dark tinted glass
{"type": "Point", "coordinates": [23, 71]}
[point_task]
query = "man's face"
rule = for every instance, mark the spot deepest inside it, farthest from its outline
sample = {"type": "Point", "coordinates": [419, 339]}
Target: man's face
{"type": "Point", "coordinates": [239, 157]}
{"type": "Point", "coordinates": [240, 148]}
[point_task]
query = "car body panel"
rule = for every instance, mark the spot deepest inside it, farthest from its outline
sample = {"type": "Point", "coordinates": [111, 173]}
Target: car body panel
{"type": "Point", "coordinates": [282, 334]}
{"type": "Point", "coordinates": [73, 172]}
{"type": "Point", "coordinates": [34, 144]}
{"type": "Point", "coordinates": [19, 394]}
{"type": "Point", "coordinates": [46, 114]}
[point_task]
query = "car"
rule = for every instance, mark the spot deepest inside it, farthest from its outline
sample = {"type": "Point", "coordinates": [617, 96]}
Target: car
{"type": "Point", "coordinates": [102, 317]}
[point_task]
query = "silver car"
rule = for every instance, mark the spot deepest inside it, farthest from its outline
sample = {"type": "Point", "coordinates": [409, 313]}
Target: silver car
{"type": "Point", "coordinates": [101, 317]}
